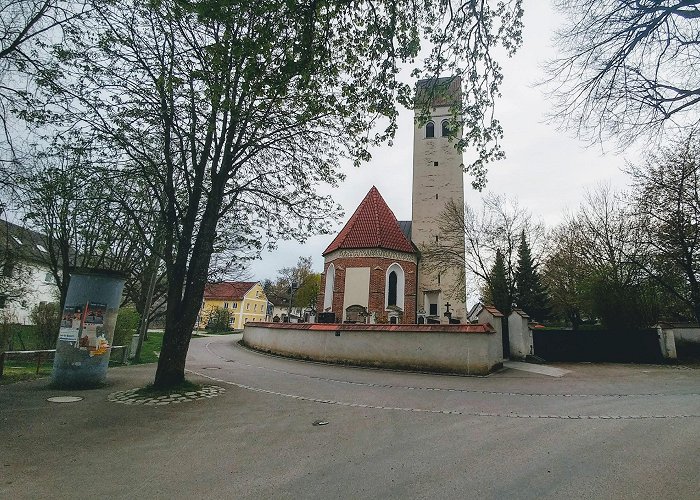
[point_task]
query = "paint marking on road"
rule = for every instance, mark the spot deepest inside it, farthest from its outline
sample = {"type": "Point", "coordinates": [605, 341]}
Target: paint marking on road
{"type": "Point", "coordinates": [434, 411]}
{"type": "Point", "coordinates": [533, 368]}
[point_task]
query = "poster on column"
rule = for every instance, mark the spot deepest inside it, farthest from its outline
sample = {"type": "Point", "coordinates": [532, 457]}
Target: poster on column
{"type": "Point", "coordinates": [84, 324]}
{"type": "Point", "coordinates": [70, 323]}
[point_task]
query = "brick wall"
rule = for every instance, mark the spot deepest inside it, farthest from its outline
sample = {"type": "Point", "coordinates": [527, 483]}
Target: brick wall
{"type": "Point", "coordinates": [377, 284]}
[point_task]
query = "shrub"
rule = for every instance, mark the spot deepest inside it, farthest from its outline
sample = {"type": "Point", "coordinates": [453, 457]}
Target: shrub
{"type": "Point", "coordinates": [6, 329]}
{"type": "Point", "coordinates": [128, 320]}
{"type": "Point", "coordinates": [219, 320]}
{"type": "Point", "coordinates": [46, 317]}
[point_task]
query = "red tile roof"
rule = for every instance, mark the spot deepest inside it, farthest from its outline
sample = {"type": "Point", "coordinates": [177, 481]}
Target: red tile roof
{"type": "Point", "coordinates": [230, 290]}
{"type": "Point", "coordinates": [373, 225]}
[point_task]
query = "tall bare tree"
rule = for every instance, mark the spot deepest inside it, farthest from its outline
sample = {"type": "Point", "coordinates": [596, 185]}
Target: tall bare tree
{"type": "Point", "coordinates": [599, 255]}
{"type": "Point", "coordinates": [27, 29]}
{"type": "Point", "coordinates": [628, 68]}
{"type": "Point", "coordinates": [471, 238]}
{"type": "Point", "coordinates": [668, 201]}
{"type": "Point", "coordinates": [70, 205]}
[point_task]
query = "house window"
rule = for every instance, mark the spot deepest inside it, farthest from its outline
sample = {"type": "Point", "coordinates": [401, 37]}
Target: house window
{"type": "Point", "coordinates": [255, 307]}
{"type": "Point", "coordinates": [235, 305]}
{"type": "Point", "coordinates": [433, 309]}
{"type": "Point", "coordinates": [429, 130]}
{"type": "Point", "coordinates": [247, 306]}
{"type": "Point", "coordinates": [395, 283]}
{"type": "Point", "coordinates": [225, 305]}
{"type": "Point", "coordinates": [445, 128]}
{"type": "Point", "coordinates": [48, 278]}
{"type": "Point", "coordinates": [435, 163]}
{"type": "Point", "coordinates": [392, 289]}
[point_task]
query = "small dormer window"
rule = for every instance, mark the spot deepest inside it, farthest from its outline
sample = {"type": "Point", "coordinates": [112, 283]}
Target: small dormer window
{"type": "Point", "coordinates": [429, 130]}
{"type": "Point", "coordinates": [445, 128]}
{"type": "Point", "coordinates": [17, 240]}
{"type": "Point", "coordinates": [41, 248]}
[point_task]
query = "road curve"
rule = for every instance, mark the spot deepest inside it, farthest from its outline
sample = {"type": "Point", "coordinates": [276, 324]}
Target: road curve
{"type": "Point", "coordinates": [589, 392]}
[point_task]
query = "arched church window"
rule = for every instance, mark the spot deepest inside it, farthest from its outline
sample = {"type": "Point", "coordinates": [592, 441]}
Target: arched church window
{"type": "Point", "coordinates": [392, 289]}
{"type": "Point", "coordinates": [445, 128]}
{"type": "Point", "coordinates": [429, 130]}
{"type": "Point", "coordinates": [395, 283]}
{"type": "Point", "coordinates": [328, 290]}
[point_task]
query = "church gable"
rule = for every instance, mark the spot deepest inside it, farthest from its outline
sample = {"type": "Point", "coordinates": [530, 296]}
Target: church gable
{"type": "Point", "coordinates": [373, 225]}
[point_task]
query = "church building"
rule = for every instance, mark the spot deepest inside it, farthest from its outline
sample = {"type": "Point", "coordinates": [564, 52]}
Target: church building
{"type": "Point", "coordinates": [373, 271]}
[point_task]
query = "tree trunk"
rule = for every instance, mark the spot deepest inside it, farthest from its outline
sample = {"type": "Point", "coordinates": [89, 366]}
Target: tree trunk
{"type": "Point", "coordinates": [186, 282]}
{"type": "Point", "coordinates": [171, 363]}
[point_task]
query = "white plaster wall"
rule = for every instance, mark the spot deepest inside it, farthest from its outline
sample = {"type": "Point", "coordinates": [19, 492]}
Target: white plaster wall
{"type": "Point", "coordinates": [667, 342]}
{"type": "Point", "coordinates": [520, 336]}
{"type": "Point", "coordinates": [37, 290]}
{"type": "Point", "coordinates": [690, 335]}
{"type": "Point", "coordinates": [356, 287]}
{"type": "Point", "coordinates": [486, 317]}
{"type": "Point", "coordinates": [466, 353]}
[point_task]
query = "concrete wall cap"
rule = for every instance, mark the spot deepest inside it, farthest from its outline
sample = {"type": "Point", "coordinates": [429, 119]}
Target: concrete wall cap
{"type": "Point", "coordinates": [348, 327]}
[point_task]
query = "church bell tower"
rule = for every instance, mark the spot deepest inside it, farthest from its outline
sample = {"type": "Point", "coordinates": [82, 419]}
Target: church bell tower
{"type": "Point", "coordinates": [437, 178]}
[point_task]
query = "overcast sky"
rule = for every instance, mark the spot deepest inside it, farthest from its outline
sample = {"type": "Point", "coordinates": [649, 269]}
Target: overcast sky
{"type": "Point", "coordinates": [546, 169]}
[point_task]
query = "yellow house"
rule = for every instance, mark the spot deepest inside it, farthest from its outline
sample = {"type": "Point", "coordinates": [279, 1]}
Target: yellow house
{"type": "Point", "coordinates": [245, 300]}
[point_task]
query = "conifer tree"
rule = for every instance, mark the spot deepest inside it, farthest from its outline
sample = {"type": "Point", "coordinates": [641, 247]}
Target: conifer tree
{"type": "Point", "coordinates": [498, 289]}
{"type": "Point", "coordinates": [530, 294]}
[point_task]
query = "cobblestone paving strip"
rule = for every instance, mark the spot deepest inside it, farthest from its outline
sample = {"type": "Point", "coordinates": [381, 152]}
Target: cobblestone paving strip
{"type": "Point", "coordinates": [445, 412]}
{"type": "Point", "coordinates": [131, 396]}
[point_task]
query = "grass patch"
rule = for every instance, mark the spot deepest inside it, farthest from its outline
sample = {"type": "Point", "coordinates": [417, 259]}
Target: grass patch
{"type": "Point", "coordinates": [185, 386]}
{"type": "Point", "coordinates": [23, 338]}
{"type": "Point", "coordinates": [153, 344]}
{"type": "Point", "coordinates": [16, 371]}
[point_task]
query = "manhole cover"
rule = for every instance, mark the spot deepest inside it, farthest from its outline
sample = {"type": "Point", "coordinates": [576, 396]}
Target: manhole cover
{"type": "Point", "coordinates": [320, 422]}
{"type": "Point", "coordinates": [65, 399]}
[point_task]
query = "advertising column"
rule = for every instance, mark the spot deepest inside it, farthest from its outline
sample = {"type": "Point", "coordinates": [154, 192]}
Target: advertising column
{"type": "Point", "coordinates": [87, 328]}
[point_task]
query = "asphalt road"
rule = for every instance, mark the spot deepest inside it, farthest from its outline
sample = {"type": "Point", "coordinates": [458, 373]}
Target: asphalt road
{"type": "Point", "coordinates": [600, 431]}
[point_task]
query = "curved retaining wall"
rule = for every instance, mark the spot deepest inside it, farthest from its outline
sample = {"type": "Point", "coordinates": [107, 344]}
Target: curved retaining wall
{"type": "Point", "coordinates": [463, 349]}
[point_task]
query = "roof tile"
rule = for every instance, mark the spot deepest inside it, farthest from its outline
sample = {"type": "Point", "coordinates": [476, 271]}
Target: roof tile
{"type": "Point", "coordinates": [231, 290]}
{"type": "Point", "coordinates": [373, 225]}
